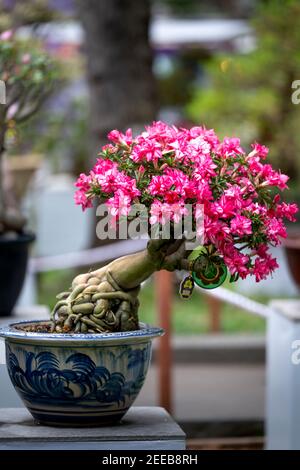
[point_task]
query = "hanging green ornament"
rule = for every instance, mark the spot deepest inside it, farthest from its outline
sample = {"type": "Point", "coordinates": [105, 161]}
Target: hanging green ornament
{"type": "Point", "coordinates": [208, 269]}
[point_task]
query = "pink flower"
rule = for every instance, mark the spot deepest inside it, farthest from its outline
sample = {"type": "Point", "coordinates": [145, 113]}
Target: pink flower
{"type": "Point", "coordinates": [160, 132]}
{"type": "Point", "coordinates": [246, 186]}
{"type": "Point", "coordinates": [146, 150]}
{"type": "Point", "coordinates": [26, 58]}
{"type": "Point", "coordinates": [264, 264]}
{"type": "Point", "coordinates": [108, 149]}
{"type": "Point", "coordinates": [119, 138]}
{"type": "Point", "coordinates": [236, 261]}
{"type": "Point", "coordinates": [109, 179]}
{"type": "Point", "coordinates": [241, 225]}
{"type": "Point", "coordinates": [160, 213]}
{"type": "Point", "coordinates": [103, 165]}
{"type": "Point", "coordinates": [225, 206]}
{"type": "Point", "coordinates": [156, 212]}
{"type": "Point", "coordinates": [255, 166]}
{"type": "Point", "coordinates": [203, 192]}
{"type": "Point", "coordinates": [163, 213]}
{"type": "Point", "coordinates": [204, 168]}
{"type": "Point", "coordinates": [82, 200]}
{"type": "Point", "coordinates": [83, 182]}
{"type": "Point", "coordinates": [6, 35]}
{"type": "Point", "coordinates": [275, 230]}
{"type": "Point", "coordinates": [216, 231]}
{"type": "Point", "coordinates": [273, 178]}
{"type": "Point", "coordinates": [170, 170]}
{"type": "Point", "coordinates": [141, 170]}
{"type": "Point", "coordinates": [260, 150]}
{"type": "Point", "coordinates": [208, 136]}
{"type": "Point", "coordinates": [199, 146]}
{"type": "Point", "coordinates": [230, 147]}
{"type": "Point", "coordinates": [178, 210]}
{"type": "Point", "coordinates": [173, 185]}
{"type": "Point", "coordinates": [12, 110]}
{"type": "Point", "coordinates": [287, 210]}
{"type": "Point", "coordinates": [118, 205]}
{"type": "Point", "coordinates": [80, 196]}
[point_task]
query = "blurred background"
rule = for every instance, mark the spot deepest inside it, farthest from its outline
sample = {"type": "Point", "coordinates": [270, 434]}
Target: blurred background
{"type": "Point", "coordinates": [226, 64]}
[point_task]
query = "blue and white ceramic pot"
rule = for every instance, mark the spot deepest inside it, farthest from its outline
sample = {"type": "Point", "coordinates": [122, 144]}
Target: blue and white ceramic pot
{"type": "Point", "coordinates": [78, 379]}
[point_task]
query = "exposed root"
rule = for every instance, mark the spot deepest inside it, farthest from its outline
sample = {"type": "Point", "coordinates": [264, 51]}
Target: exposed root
{"type": "Point", "coordinates": [106, 300]}
{"type": "Point", "coordinates": [97, 305]}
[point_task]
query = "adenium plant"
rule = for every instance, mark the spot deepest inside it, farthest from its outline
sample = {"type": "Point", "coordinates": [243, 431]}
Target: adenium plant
{"type": "Point", "coordinates": [166, 169]}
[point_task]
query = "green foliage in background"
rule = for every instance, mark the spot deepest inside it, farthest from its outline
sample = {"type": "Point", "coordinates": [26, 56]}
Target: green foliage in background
{"type": "Point", "coordinates": [62, 136]}
{"type": "Point", "coordinates": [250, 95]}
{"type": "Point", "coordinates": [25, 12]}
{"type": "Point", "coordinates": [67, 135]}
{"type": "Point", "coordinates": [29, 75]}
{"type": "Point", "coordinates": [226, 8]}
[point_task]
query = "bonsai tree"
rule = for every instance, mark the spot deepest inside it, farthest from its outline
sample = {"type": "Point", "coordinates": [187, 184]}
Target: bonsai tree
{"type": "Point", "coordinates": [165, 170]}
{"type": "Point", "coordinates": [28, 74]}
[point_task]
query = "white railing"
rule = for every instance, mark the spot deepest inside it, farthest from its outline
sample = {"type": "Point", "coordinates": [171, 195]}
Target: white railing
{"type": "Point", "coordinates": [89, 257]}
{"type": "Point", "coordinates": [238, 300]}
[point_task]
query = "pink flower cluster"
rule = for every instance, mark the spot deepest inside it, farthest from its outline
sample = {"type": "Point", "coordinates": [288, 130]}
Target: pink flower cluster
{"type": "Point", "coordinates": [165, 167]}
{"type": "Point", "coordinates": [107, 181]}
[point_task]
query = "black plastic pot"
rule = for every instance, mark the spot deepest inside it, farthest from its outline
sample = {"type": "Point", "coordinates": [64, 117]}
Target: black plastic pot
{"type": "Point", "coordinates": [13, 264]}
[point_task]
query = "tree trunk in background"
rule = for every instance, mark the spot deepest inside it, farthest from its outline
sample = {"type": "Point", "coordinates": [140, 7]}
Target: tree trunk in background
{"type": "Point", "coordinates": [119, 66]}
{"type": "Point", "coordinates": [119, 70]}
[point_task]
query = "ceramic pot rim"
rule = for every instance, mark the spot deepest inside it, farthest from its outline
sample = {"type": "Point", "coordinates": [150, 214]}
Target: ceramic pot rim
{"type": "Point", "coordinates": [146, 332]}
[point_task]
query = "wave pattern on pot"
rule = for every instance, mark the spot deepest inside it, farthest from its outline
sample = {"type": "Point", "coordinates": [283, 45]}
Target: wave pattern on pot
{"type": "Point", "coordinates": [108, 378]}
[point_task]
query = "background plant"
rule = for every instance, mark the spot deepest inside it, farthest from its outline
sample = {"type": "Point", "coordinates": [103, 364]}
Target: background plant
{"type": "Point", "coordinates": [29, 75]}
{"type": "Point", "coordinates": [250, 94]}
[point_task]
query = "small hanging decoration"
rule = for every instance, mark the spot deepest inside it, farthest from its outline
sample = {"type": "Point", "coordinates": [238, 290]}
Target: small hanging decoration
{"type": "Point", "coordinates": [186, 287]}
{"type": "Point", "coordinates": [208, 269]}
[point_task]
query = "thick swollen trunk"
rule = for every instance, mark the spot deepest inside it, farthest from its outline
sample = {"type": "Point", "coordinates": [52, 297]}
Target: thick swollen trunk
{"type": "Point", "coordinates": [119, 70]}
